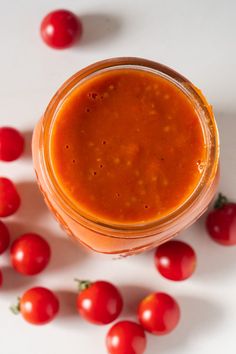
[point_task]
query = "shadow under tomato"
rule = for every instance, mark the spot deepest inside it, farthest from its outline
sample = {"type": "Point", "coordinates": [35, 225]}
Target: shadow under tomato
{"type": "Point", "coordinates": [32, 204]}
{"type": "Point", "coordinates": [132, 295]}
{"type": "Point", "coordinates": [27, 134]}
{"type": "Point", "coordinates": [67, 299]}
{"type": "Point", "coordinates": [198, 318]}
{"type": "Point", "coordinates": [13, 281]}
{"type": "Point", "coordinates": [16, 228]}
{"type": "Point", "coordinates": [99, 28]}
{"type": "Point", "coordinates": [68, 314]}
{"type": "Point", "coordinates": [65, 253]}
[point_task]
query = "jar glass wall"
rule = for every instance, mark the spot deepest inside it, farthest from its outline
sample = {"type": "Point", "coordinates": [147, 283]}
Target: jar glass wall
{"type": "Point", "coordinates": [109, 237]}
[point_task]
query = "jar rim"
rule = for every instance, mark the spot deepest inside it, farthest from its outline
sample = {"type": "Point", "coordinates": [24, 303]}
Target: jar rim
{"type": "Point", "coordinates": [209, 130]}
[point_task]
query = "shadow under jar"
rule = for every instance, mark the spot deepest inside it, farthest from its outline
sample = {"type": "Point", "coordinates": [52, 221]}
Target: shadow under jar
{"type": "Point", "coordinates": [126, 155]}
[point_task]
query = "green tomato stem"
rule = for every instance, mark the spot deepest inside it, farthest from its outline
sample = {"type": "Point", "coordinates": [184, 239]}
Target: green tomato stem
{"type": "Point", "coordinates": [220, 201]}
{"type": "Point", "coordinates": [83, 284]}
{"type": "Point", "coordinates": [15, 309]}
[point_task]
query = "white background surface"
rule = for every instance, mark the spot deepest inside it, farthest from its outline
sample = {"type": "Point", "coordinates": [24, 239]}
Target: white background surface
{"type": "Point", "coordinates": [197, 38]}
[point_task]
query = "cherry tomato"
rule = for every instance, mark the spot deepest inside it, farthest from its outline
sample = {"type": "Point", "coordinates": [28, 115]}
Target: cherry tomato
{"type": "Point", "coordinates": [30, 254]}
{"type": "Point", "coordinates": [38, 305]}
{"type": "Point", "coordinates": [9, 197]}
{"type": "Point", "coordinates": [221, 222]}
{"type": "Point", "coordinates": [158, 313]}
{"type": "Point", "coordinates": [99, 302]}
{"type": "Point", "coordinates": [175, 260]}
{"type": "Point", "coordinates": [4, 237]}
{"type": "Point", "coordinates": [60, 28]}
{"type": "Point", "coordinates": [0, 278]}
{"type": "Point", "coordinates": [126, 337]}
{"type": "Point", "coordinates": [11, 144]}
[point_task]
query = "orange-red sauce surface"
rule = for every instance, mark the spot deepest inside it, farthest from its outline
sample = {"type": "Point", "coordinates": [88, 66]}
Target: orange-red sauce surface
{"type": "Point", "coordinates": [126, 146]}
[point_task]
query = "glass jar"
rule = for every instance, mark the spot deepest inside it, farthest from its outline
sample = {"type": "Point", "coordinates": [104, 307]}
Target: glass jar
{"type": "Point", "coordinates": [126, 239]}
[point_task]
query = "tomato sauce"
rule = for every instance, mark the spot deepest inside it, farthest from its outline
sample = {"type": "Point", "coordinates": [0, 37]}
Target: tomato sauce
{"type": "Point", "coordinates": [127, 146]}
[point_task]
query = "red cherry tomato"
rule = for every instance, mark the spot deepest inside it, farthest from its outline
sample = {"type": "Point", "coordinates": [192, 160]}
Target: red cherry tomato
{"type": "Point", "coordinates": [30, 254]}
{"type": "Point", "coordinates": [126, 337]}
{"type": "Point", "coordinates": [0, 278]}
{"type": "Point", "coordinates": [158, 313]}
{"type": "Point", "coordinates": [100, 302]}
{"type": "Point", "coordinates": [11, 144]}
{"type": "Point", "coordinates": [221, 222]}
{"type": "Point", "coordinates": [175, 260]}
{"type": "Point", "coordinates": [9, 197]}
{"type": "Point", "coordinates": [60, 28]}
{"type": "Point", "coordinates": [38, 305]}
{"type": "Point", "coordinates": [4, 237]}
